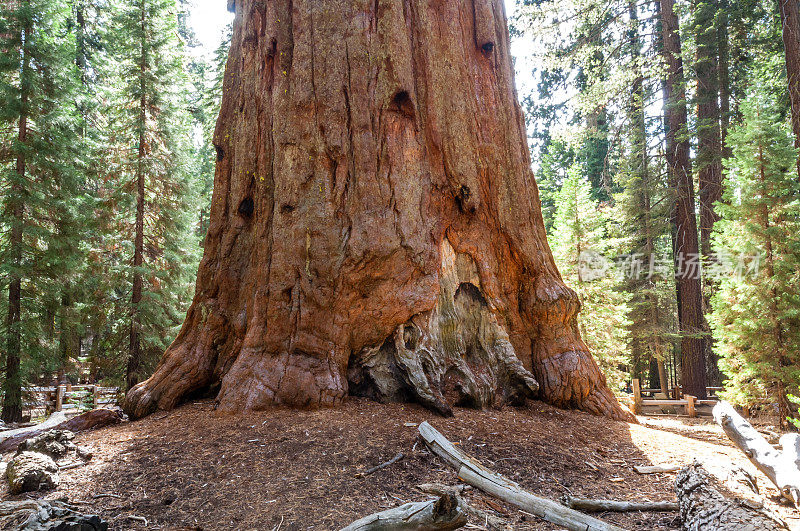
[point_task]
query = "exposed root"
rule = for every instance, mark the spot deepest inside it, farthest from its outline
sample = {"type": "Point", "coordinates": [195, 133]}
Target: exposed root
{"type": "Point", "coordinates": [457, 354]}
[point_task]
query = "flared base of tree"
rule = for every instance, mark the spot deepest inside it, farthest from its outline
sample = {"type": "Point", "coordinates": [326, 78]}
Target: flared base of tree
{"type": "Point", "coordinates": [456, 354]}
{"type": "Point", "coordinates": [375, 226]}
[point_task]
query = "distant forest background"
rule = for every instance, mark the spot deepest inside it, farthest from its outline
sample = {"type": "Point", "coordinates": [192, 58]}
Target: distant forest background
{"type": "Point", "coordinates": [664, 139]}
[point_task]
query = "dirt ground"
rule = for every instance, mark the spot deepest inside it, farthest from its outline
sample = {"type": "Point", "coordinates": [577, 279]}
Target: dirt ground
{"type": "Point", "coordinates": [195, 469]}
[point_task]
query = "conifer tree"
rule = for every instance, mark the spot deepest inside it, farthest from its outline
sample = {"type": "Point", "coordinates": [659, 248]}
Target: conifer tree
{"type": "Point", "coordinates": [151, 133]}
{"type": "Point", "coordinates": [41, 200]}
{"type": "Point", "coordinates": [756, 312]}
{"type": "Point", "coordinates": [579, 242]}
{"type": "Point", "coordinates": [641, 213]}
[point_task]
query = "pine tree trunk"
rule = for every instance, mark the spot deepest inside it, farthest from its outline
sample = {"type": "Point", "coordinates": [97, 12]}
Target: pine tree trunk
{"type": "Point", "coordinates": [790, 24]}
{"type": "Point", "coordinates": [685, 245]}
{"type": "Point", "coordinates": [709, 150]}
{"type": "Point", "coordinates": [651, 318]}
{"type": "Point", "coordinates": [723, 50]}
{"type": "Point", "coordinates": [132, 374]}
{"type": "Point", "coordinates": [375, 226]}
{"type": "Point", "coordinates": [709, 147]}
{"type": "Point", "coordinates": [12, 385]}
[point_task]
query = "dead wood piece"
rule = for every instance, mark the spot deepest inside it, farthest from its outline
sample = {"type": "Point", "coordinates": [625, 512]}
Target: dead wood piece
{"type": "Point", "coordinates": [52, 421]}
{"type": "Point", "coordinates": [31, 471]}
{"type": "Point", "coordinates": [702, 506]}
{"type": "Point", "coordinates": [39, 515]}
{"type": "Point", "coordinates": [597, 506]}
{"type": "Point", "coordinates": [490, 521]}
{"type": "Point", "coordinates": [106, 495]}
{"type": "Point", "coordinates": [55, 443]}
{"type": "Point", "coordinates": [136, 518]}
{"type": "Point", "coordinates": [381, 466]}
{"type": "Point", "coordinates": [70, 466]}
{"type": "Point", "coordinates": [472, 472]}
{"type": "Point", "coordinates": [656, 469]}
{"type": "Point", "coordinates": [780, 467]}
{"type": "Point", "coordinates": [790, 443]}
{"type": "Point", "coordinates": [446, 512]}
{"type": "Point", "coordinates": [96, 418]}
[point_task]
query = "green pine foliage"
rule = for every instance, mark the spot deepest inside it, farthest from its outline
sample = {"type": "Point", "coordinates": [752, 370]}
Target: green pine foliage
{"type": "Point", "coordinates": [579, 242]}
{"type": "Point", "coordinates": [43, 202]}
{"type": "Point", "coordinates": [756, 312]}
{"type": "Point", "coordinates": [149, 127]}
{"type": "Point", "coordinates": [73, 75]}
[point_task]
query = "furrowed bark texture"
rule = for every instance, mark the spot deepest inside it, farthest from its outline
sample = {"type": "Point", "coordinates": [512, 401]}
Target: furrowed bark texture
{"type": "Point", "coordinates": [790, 31]}
{"type": "Point", "coordinates": [685, 244]}
{"type": "Point", "coordinates": [375, 219]}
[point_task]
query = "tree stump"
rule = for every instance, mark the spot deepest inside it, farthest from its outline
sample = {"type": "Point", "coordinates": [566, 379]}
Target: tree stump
{"type": "Point", "coordinates": [31, 471]}
{"type": "Point", "coordinates": [375, 225]}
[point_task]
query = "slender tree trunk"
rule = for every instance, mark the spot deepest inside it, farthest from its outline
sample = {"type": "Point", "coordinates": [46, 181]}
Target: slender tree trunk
{"type": "Point", "coordinates": [709, 150]}
{"type": "Point", "coordinates": [651, 317]}
{"type": "Point", "coordinates": [12, 386]}
{"type": "Point", "coordinates": [709, 147]}
{"type": "Point", "coordinates": [685, 244]}
{"type": "Point", "coordinates": [375, 228]}
{"type": "Point", "coordinates": [133, 372]}
{"type": "Point", "coordinates": [723, 49]}
{"type": "Point", "coordinates": [790, 25]}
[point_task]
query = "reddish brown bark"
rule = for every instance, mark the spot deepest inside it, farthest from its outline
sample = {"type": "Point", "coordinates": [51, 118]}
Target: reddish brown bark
{"type": "Point", "coordinates": [709, 144]}
{"type": "Point", "coordinates": [12, 385]}
{"type": "Point", "coordinates": [374, 210]}
{"type": "Point", "coordinates": [685, 244]}
{"type": "Point", "coordinates": [790, 24]}
{"type": "Point", "coordinates": [132, 376]}
{"type": "Point", "coordinates": [709, 148]}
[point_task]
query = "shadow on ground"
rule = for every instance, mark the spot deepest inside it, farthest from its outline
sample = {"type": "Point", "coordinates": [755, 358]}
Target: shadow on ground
{"type": "Point", "coordinates": [195, 469]}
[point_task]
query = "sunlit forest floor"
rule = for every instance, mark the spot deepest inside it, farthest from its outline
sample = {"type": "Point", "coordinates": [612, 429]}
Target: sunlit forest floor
{"type": "Point", "coordinates": [195, 469]}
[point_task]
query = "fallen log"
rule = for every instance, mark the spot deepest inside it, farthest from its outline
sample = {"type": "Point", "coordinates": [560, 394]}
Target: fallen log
{"type": "Point", "coordinates": [790, 443]}
{"type": "Point", "coordinates": [703, 507]}
{"type": "Point", "coordinates": [488, 520]}
{"type": "Point", "coordinates": [52, 421]}
{"type": "Point", "coordinates": [780, 467]}
{"type": "Point", "coordinates": [472, 472]}
{"type": "Point", "coordinates": [444, 513]}
{"type": "Point", "coordinates": [96, 418]}
{"type": "Point", "coordinates": [597, 506]}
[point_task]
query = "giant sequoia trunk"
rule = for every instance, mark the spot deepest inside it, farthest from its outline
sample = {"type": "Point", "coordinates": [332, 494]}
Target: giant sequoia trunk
{"type": "Point", "coordinates": [375, 225]}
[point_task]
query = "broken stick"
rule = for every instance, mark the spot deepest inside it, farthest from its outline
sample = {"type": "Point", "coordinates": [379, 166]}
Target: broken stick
{"type": "Point", "coordinates": [780, 467]}
{"type": "Point", "coordinates": [374, 469]}
{"type": "Point", "coordinates": [445, 513]}
{"type": "Point", "coordinates": [656, 469]}
{"type": "Point", "coordinates": [472, 472]}
{"type": "Point", "coordinates": [597, 506]}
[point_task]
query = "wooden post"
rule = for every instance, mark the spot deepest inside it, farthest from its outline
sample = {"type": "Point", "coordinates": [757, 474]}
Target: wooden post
{"type": "Point", "coordinates": [59, 397]}
{"type": "Point", "coordinates": [95, 396]}
{"type": "Point", "coordinates": [637, 396]}
{"type": "Point", "coordinates": [691, 404]}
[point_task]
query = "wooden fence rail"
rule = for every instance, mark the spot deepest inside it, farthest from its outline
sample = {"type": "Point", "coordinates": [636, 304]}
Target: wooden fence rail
{"type": "Point", "coordinates": [689, 403]}
{"type": "Point", "coordinates": [69, 398]}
